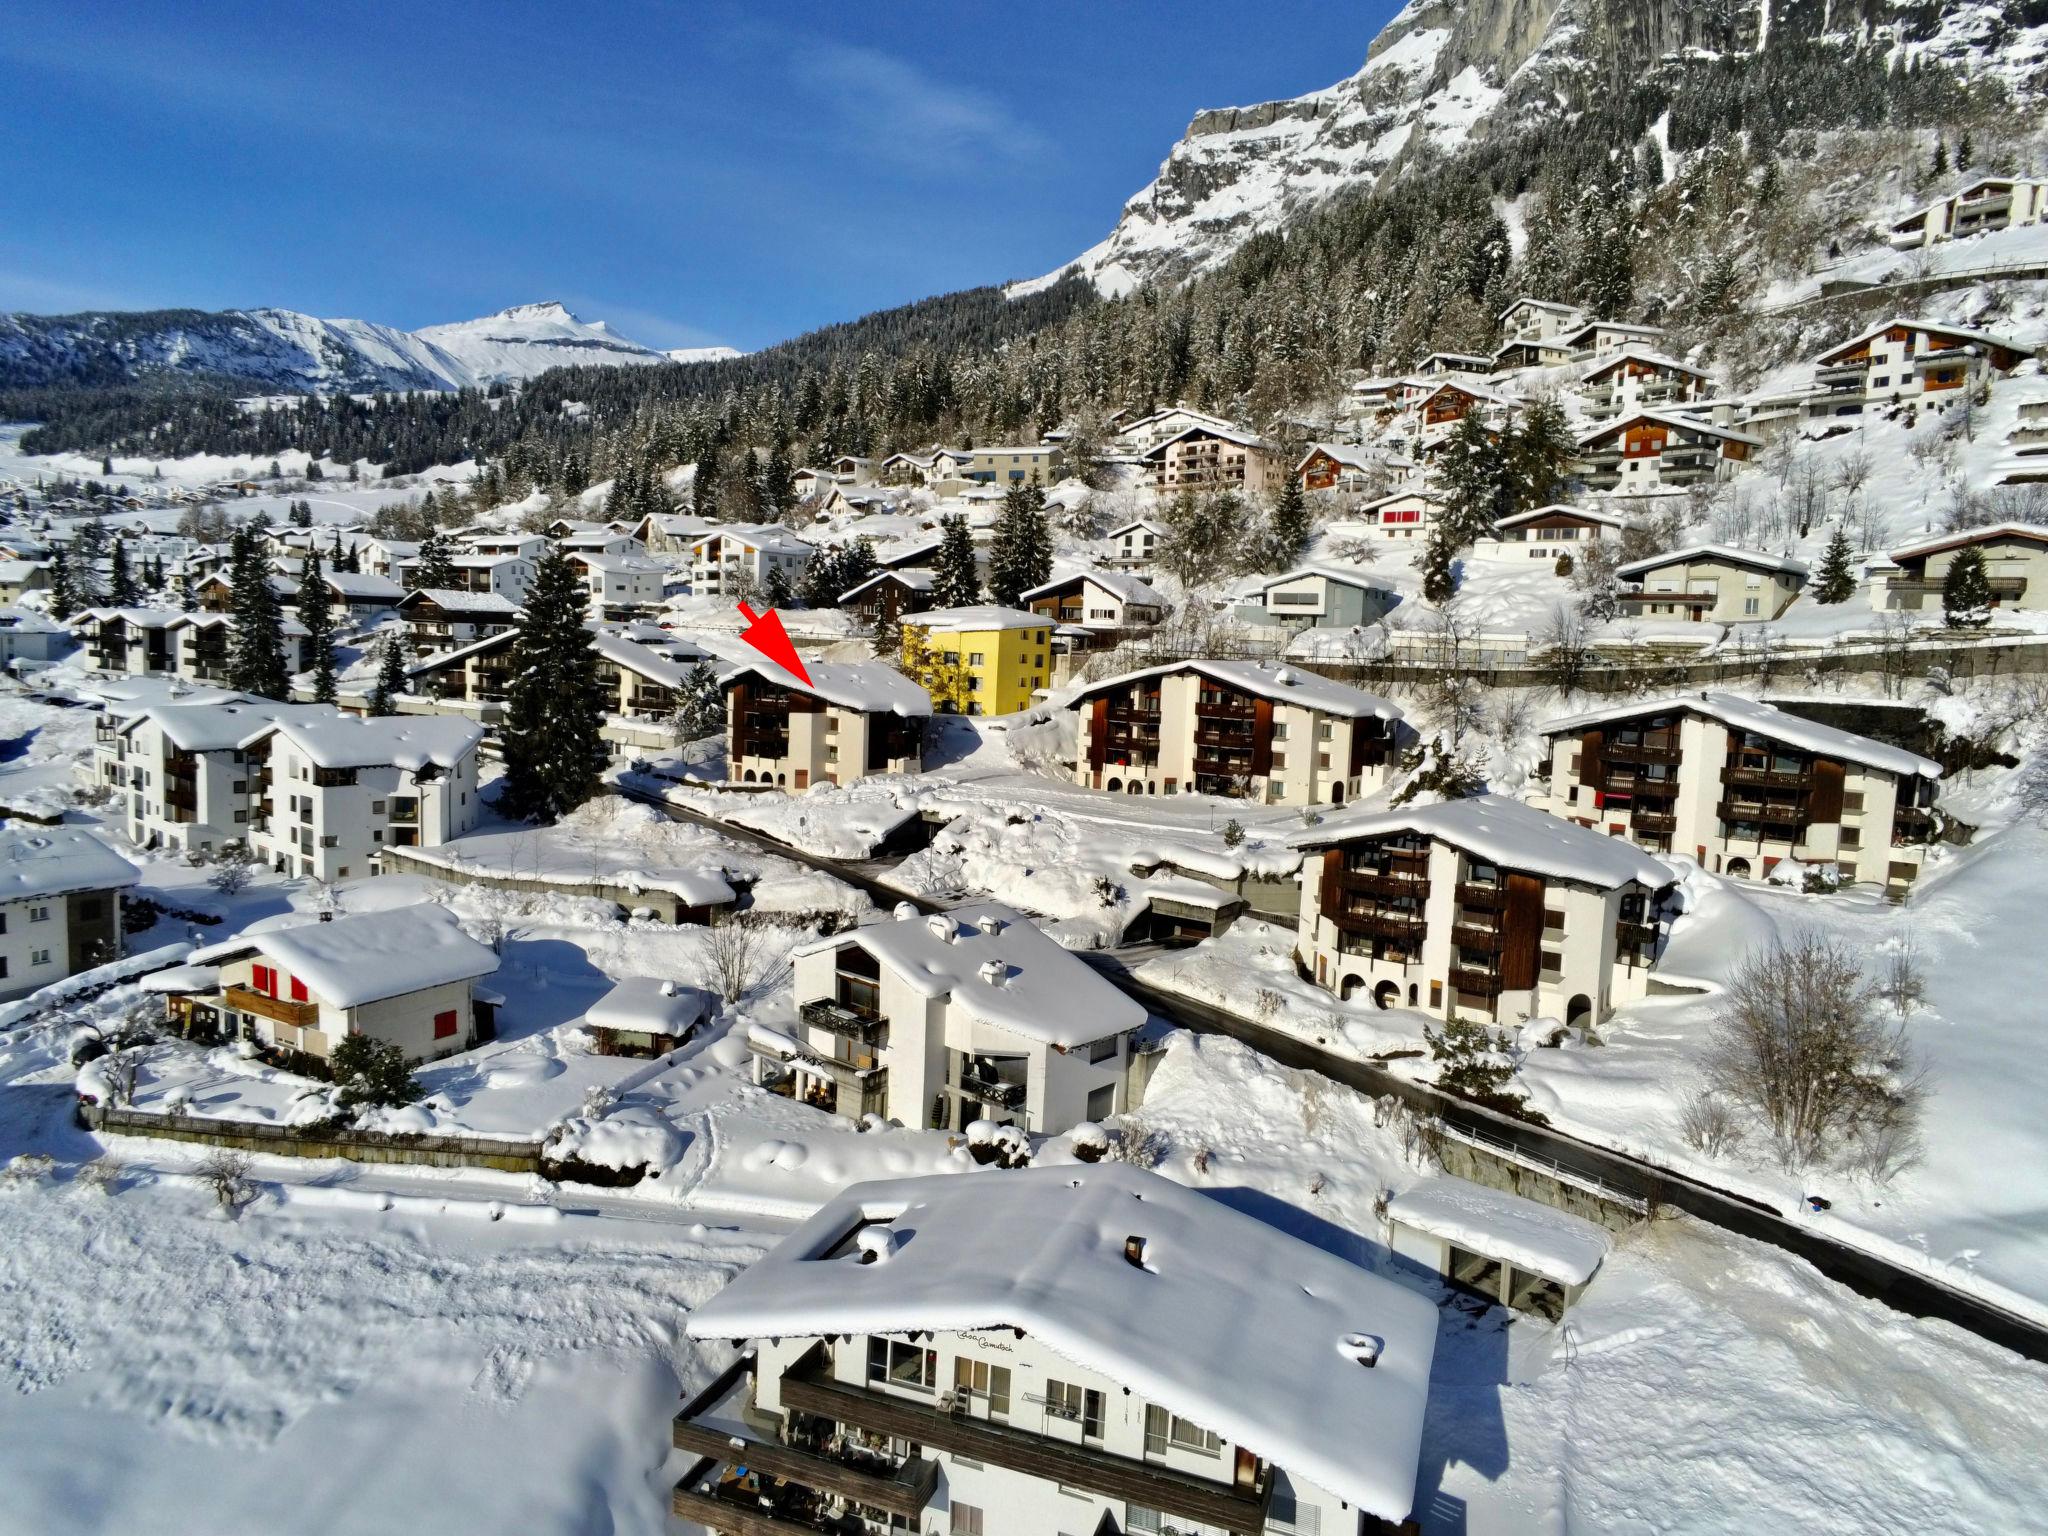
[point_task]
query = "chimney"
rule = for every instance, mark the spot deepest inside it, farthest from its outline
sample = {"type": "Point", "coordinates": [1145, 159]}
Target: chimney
{"type": "Point", "coordinates": [989, 924]}
{"type": "Point", "coordinates": [994, 972]}
{"type": "Point", "coordinates": [942, 928]}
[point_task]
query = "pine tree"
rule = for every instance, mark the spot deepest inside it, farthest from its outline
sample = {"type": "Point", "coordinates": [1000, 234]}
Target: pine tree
{"type": "Point", "coordinates": [63, 595]}
{"type": "Point", "coordinates": [1835, 581]}
{"type": "Point", "coordinates": [1021, 557]}
{"type": "Point", "coordinates": [121, 591]}
{"type": "Point", "coordinates": [1439, 581]}
{"type": "Point", "coordinates": [1966, 151]}
{"type": "Point", "coordinates": [256, 657]}
{"type": "Point", "coordinates": [436, 570]}
{"type": "Point", "coordinates": [776, 592]}
{"type": "Point", "coordinates": [1940, 158]}
{"type": "Point", "coordinates": [317, 615]}
{"type": "Point", "coordinates": [956, 580]}
{"type": "Point", "coordinates": [1288, 524]}
{"type": "Point", "coordinates": [390, 676]}
{"type": "Point", "coordinates": [1966, 591]}
{"type": "Point", "coordinates": [554, 752]}
{"type": "Point", "coordinates": [1537, 456]}
{"type": "Point", "coordinates": [1476, 482]}
{"type": "Point", "coordinates": [700, 704]}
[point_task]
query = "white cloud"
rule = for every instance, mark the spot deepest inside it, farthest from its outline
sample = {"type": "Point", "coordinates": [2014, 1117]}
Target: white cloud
{"type": "Point", "coordinates": [900, 113]}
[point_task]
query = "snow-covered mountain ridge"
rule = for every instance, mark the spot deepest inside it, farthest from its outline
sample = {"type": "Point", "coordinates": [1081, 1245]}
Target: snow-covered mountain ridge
{"type": "Point", "coordinates": [1444, 72]}
{"type": "Point", "coordinates": [284, 350]}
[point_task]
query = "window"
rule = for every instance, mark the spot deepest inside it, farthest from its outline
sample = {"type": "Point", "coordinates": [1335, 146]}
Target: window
{"type": "Point", "coordinates": [39, 957]}
{"type": "Point", "coordinates": [1103, 1049]}
{"type": "Point", "coordinates": [444, 1023]}
{"type": "Point", "coordinates": [990, 1383]}
{"type": "Point", "coordinates": [1102, 1102]}
{"type": "Point", "coordinates": [1163, 1429]}
{"type": "Point", "coordinates": [299, 993]}
{"type": "Point", "coordinates": [1279, 762]}
{"type": "Point", "coordinates": [1077, 1405]}
{"type": "Point", "coordinates": [902, 1364]}
{"type": "Point", "coordinates": [39, 914]}
{"type": "Point", "coordinates": [1279, 730]}
{"type": "Point", "coordinates": [966, 1520]}
{"type": "Point", "coordinates": [377, 807]}
{"type": "Point", "coordinates": [263, 978]}
{"type": "Point", "coordinates": [975, 659]}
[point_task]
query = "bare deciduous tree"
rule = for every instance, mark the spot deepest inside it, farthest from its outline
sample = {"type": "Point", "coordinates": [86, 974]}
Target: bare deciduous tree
{"type": "Point", "coordinates": [1563, 649]}
{"type": "Point", "coordinates": [731, 956]}
{"type": "Point", "coordinates": [226, 1173]}
{"type": "Point", "coordinates": [1798, 1041]}
{"type": "Point", "coordinates": [1708, 1123]}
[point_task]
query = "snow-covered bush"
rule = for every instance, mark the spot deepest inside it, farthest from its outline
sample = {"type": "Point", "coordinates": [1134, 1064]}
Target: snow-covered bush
{"type": "Point", "coordinates": [1141, 1147]}
{"type": "Point", "coordinates": [100, 1175]}
{"type": "Point", "coordinates": [1090, 1142]}
{"type": "Point", "coordinates": [1708, 1122]}
{"type": "Point", "coordinates": [226, 1173]}
{"type": "Point", "coordinates": [371, 1073]}
{"type": "Point", "coordinates": [29, 1169]}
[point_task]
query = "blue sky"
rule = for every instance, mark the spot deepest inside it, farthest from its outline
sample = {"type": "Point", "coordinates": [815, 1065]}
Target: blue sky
{"type": "Point", "coordinates": [690, 172]}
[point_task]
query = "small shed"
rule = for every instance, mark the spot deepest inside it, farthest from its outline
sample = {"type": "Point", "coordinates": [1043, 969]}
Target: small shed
{"type": "Point", "coordinates": [645, 1016]}
{"type": "Point", "coordinates": [1525, 1255]}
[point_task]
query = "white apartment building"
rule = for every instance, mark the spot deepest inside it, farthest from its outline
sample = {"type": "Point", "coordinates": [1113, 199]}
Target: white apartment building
{"type": "Point", "coordinates": [1715, 583]}
{"type": "Point", "coordinates": [850, 721]}
{"type": "Point", "coordinates": [1539, 319]}
{"type": "Point", "coordinates": [1135, 545]}
{"type": "Point", "coordinates": [1986, 204]}
{"type": "Point", "coordinates": [1636, 379]}
{"type": "Point", "coordinates": [1483, 908]}
{"type": "Point", "coordinates": [1640, 453]}
{"type": "Point", "coordinates": [622, 585]}
{"type": "Point", "coordinates": [942, 1021]}
{"type": "Point", "coordinates": [406, 976]}
{"type": "Point", "coordinates": [1058, 1349]}
{"type": "Point", "coordinates": [731, 562]}
{"type": "Point", "coordinates": [332, 790]}
{"type": "Point", "coordinates": [1246, 729]}
{"type": "Point", "coordinates": [1742, 786]}
{"type": "Point", "coordinates": [1544, 533]}
{"type": "Point", "coordinates": [502, 573]}
{"type": "Point", "coordinates": [60, 906]}
{"type": "Point", "coordinates": [304, 787]}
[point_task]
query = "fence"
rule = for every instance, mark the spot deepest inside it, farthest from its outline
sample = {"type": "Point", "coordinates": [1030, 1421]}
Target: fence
{"type": "Point", "coordinates": [1495, 1164]}
{"type": "Point", "coordinates": [302, 1141]}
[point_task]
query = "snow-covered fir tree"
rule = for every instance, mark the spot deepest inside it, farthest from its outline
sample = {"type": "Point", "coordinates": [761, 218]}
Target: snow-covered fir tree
{"type": "Point", "coordinates": [1835, 579]}
{"type": "Point", "coordinates": [956, 577]}
{"type": "Point", "coordinates": [256, 661]}
{"type": "Point", "coordinates": [554, 713]}
{"type": "Point", "coordinates": [316, 613]}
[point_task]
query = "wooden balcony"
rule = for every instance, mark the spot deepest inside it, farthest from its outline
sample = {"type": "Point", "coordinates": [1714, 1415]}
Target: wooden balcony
{"type": "Point", "coordinates": [905, 1491]}
{"type": "Point", "coordinates": [810, 1387]}
{"type": "Point", "coordinates": [1481, 898]}
{"type": "Point", "coordinates": [1478, 983]}
{"type": "Point", "coordinates": [839, 1019]}
{"type": "Point", "coordinates": [1657, 822]}
{"type": "Point", "coordinates": [1640, 752]}
{"type": "Point", "coordinates": [1384, 882]}
{"type": "Point", "coordinates": [303, 1015]}
{"type": "Point", "coordinates": [1386, 925]}
{"type": "Point", "coordinates": [1227, 708]}
{"type": "Point", "coordinates": [1763, 778]}
{"type": "Point", "coordinates": [1764, 814]}
{"type": "Point", "coordinates": [1487, 941]}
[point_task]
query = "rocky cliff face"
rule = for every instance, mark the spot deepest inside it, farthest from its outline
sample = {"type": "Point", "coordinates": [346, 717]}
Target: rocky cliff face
{"type": "Point", "coordinates": [1443, 72]}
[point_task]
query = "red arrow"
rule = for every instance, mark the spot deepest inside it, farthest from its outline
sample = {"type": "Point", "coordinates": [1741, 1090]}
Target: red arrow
{"type": "Point", "coordinates": [764, 632]}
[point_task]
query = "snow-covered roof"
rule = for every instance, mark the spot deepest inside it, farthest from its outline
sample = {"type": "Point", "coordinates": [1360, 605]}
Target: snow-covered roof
{"type": "Point", "coordinates": [1469, 391]}
{"type": "Point", "coordinates": [1220, 1318]}
{"type": "Point", "coordinates": [1755, 559]}
{"type": "Point", "coordinates": [647, 1004]}
{"type": "Point", "coordinates": [456, 599]}
{"type": "Point", "coordinates": [1550, 304]}
{"type": "Point", "coordinates": [1412, 493]}
{"type": "Point", "coordinates": [1344, 575]}
{"type": "Point", "coordinates": [1931, 327]}
{"type": "Point", "coordinates": [484, 562]}
{"type": "Point", "coordinates": [1539, 1238]}
{"type": "Point", "coordinates": [867, 686]}
{"type": "Point", "coordinates": [1559, 509]}
{"type": "Point", "coordinates": [363, 959]}
{"type": "Point", "coordinates": [1343, 453]}
{"type": "Point", "coordinates": [1040, 991]}
{"type": "Point", "coordinates": [1125, 588]}
{"type": "Point", "coordinates": [1229, 434]}
{"type": "Point", "coordinates": [1266, 679]}
{"type": "Point", "coordinates": [139, 618]}
{"type": "Point", "coordinates": [1504, 832]}
{"type": "Point", "coordinates": [23, 621]}
{"type": "Point", "coordinates": [1135, 525]}
{"type": "Point", "coordinates": [1934, 546]}
{"type": "Point", "coordinates": [56, 860]}
{"type": "Point", "coordinates": [773, 540]}
{"type": "Point", "coordinates": [915, 581]}
{"type": "Point", "coordinates": [1669, 419]}
{"type": "Point", "coordinates": [957, 621]}
{"type": "Point", "coordinates": [1629, 327]}
{"type": "Point", "coordinates": [365, 586]}
{"type": "Point", "coordinates": [336, 740]}
{"type": "Point", "coordinates": [619, 565]}
{"type": "Point", "coordinates": [644, 660]}
{"type": "Point", "coordinates": [1633, 354]}
{"type": "Point", "coordinates": [1744, 714]}
{"type": "Point", "coordinates": [209, 724]}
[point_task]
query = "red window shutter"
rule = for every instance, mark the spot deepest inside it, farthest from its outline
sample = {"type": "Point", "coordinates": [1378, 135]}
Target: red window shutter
{"type": "Point", "coordinates": [263, 979]}
{"type": "Point", "coordinates": [444, 1024]}
{"type": "Point", "coordinates": [299, 994]}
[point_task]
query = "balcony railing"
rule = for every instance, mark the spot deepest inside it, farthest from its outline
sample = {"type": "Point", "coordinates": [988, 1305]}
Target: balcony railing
{"type": "Point", "coordinates": [1481, 898]}
{"type": "Point", "coordinates": [1388, 925]}
{"type": "Point", "coordinates": [1764, 778]}
{"type": "Point", "coordinates": [1473, 936]}
{"type": "Point", "coordinates": [1654, 821]}
{"type": "Point", "coordinates": [1385, 882]}
{"type": "Point", "coordinates": [1640, 752]}
{"type": "Point", "coordinates": [246, 1000]}
{"type": "Point", "coordinates": [839, 1019]}
{"type": "Point", "coordinates": [991, 1090]}
{"type": "Point", "coordinates": [1479, 983]}
{"type": "Point", "coordinates": [1762, 813]}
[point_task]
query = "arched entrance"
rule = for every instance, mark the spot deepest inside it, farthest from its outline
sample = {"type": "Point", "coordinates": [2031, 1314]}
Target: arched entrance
{"type": "Point", "coordinates": [1114, 786]}
{"type": "Point", "coordinates": [1737, 869]}
{"type": "Point", "coordinates": [1578, 1013]}
{"type": "Point", "coordinates": [1336, 794]}
{"type": "Point", "coordinates": [1386, 994]}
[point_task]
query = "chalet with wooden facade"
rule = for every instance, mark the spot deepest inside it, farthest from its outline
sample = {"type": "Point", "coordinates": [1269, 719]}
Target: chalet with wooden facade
{"type": "Point", "coordinates": [438, 619]}
{"type": "Point", "coordinates": [1483, 908]}
{"type": "Point", "coordinates": [1644, 452]}
{"type": "Point", "coordinates": [887, 595]}
{"type": "Point", "coordinates": [1905, 360]}
{"type": "Point", "coordinates": [1711, 583]}
{"type": "Point", "coordinates": [1402, 515]}
{"type": "Point", "coordinates": [1742, 786]}
{"type": "Point", "coordinates": [2015, 563]}
{"type": "Point", "coordinates": [1440, 411]}
{"type": "Point", "coordinates": [406, 976]}
{"type": "Point", "coordinates": [1335, 467]}
{"type": "Point", "coordinates": [942, 1021]}
{"type": "Point", "coordinates": [852, 720]}
{"type": "Point", "coordinates": [1105, 604]}
{"type": "Point", "coordinates": [1546, 533]}
{"type": "Point", "coordinates": [1242, 729]}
